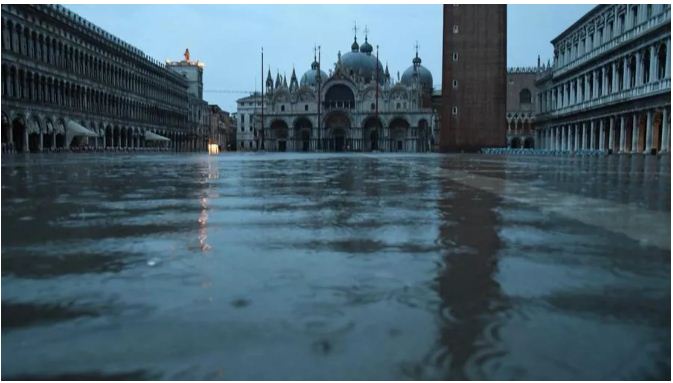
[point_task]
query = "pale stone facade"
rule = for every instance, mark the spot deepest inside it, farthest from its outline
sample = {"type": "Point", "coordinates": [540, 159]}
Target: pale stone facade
{"type": "Point", "coordinates": [610, 83]}
{"type": "Point", "coordinates": [68, 83]}
{"type": "Point", "coordinates": [357, 106]}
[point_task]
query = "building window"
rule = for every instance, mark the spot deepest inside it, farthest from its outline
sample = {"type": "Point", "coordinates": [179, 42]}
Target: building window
{"type": "Point", "coordinates": [524, 96]}
{"type": "Point", "coordinates": [455, 83]}
{"type": "Point", "coordinates": [454, 111]}
{"type": "Point", "coordinates": [398, 106]}
{"type": "Point", "coordinates": [455, 29]}
{"type": "Point", "coordinates": [306, 108]}
{"type": "Point", "coordinates": [282, 108]}
{"type": "Point", "coordinates": [622, 22]}
{"type": "Point", "coordinates": [242, 119]}
{"type": "Point", "coordinates": [373, 106]}
{"type": "Point", "coordinates": [455, 56]}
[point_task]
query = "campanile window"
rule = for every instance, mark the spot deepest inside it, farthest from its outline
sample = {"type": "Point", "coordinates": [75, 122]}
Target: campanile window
{"type": "Point", "coordinates": [455, 29]}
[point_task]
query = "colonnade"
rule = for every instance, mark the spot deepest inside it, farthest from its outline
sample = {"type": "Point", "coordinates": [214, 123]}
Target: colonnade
{"type": "Point", "coordinates": [646, 131]}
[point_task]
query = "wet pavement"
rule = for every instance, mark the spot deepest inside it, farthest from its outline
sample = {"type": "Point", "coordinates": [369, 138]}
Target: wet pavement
{"type": "Point", "coordinates": [328, 266]}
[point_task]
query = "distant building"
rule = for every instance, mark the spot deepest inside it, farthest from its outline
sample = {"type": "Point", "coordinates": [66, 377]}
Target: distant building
{"type": "Point", "coordinates": [67, 83]}
{"type": "Point", "coordinates": [221, 127]}
{"type": "Point", "coordinates": [357, 106]}
{"type": "Point", "coordinates": [247, 122]}
{"type": "Point", "coordinates": [521, 99]}
{"type": "Point", "coordinates": [610, 84]}
{"type": "Point", "coordinates": [198, 111]}
{"type": "Point", "coordinates": [474, 81]}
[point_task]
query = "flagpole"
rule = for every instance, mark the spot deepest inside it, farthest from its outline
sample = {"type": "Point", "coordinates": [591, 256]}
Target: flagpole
{"type": "Point", "coordinates": [262, 121]}
{"type": "Point", "coordinates": [319, 90]}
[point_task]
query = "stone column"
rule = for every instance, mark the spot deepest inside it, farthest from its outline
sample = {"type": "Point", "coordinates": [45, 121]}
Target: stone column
{"type": "Point", "coordinates": [592, 139]}
{"type": "Point", "coordinates": [25, 139]}
{"type": "Point", "coordinates": [604, 83]}
{"type": "Point", "coordinates": [648, 132]}
{"type": "Point", "coordinates": [634, 133]}
{"type": "Point", "coordinates": [53, 140]}
{"type": "Point", "coordinates": [601, 139]}
{"type": "Point", "coordinates": [665, 131]}
{"type": "Point", "coordinates": [622, 134]}
{"type": "Point", "coordinates": [653, 63]}
{"type": "Point", "coordinates": [639, 69]}
{"type": "Point", "coordinates": [41, 144]}
{"type": "Point", "coordinates": [577, 137]}
{"type": "Point", "coordinates": [584, 136]}
{"type": "Point", "coordinates": [668, 58]}
{"type": "Point", "coordinates": [509, 127]}
{"type": "Point", "coordinates": [614, 77]}
{"type": "Point", "coordinates": [611, 139]}
{"type": "Point", "coordinates": [564, 143]}
{"type": "Point", "coordinates": [627, 74]}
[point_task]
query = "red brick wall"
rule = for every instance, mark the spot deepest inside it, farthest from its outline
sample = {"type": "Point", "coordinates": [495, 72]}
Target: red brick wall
{"type": "Point", "coordinates": [481, 44]}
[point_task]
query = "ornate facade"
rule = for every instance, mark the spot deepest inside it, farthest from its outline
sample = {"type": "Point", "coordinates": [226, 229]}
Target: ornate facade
{"type": "Point", "coordinates": [521, 100]}
{"type": "Point", "coordinates": [610, 83]}
{"type": "Point", "coordinates": [67, 82]}
{"type": "Point", "coordinates": [357, 106]}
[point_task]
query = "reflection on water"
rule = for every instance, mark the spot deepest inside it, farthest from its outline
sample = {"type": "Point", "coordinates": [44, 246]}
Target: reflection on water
{"type": "Point", "coordinates": [325, 266]}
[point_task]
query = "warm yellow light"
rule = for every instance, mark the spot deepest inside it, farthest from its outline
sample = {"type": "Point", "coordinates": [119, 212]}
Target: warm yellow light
{"type": "Point", "coordinates": [213, 149]}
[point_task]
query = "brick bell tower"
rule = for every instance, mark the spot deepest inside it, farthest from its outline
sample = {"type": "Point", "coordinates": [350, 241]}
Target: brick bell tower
{"type": "Point", "coordinates": [474, 77]}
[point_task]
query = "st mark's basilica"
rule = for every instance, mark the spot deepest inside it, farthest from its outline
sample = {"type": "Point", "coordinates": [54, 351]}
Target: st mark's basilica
{"type": "Point", "coordinates": [357, 106]}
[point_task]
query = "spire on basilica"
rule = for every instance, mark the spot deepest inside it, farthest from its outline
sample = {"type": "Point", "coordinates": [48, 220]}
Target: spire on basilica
{"type": "Point", "coordinates": [284, 81]}
{"type": "Point", "coordinates": [294, 84]}
{"type": "Point", "coordinates": [269, 80]}
{"type": "Point", "coordinates": [355, 47]}
{"type": "Point", "coordinates": [417, 60]}
{"type": "Point", "coordinates": [278, 82]}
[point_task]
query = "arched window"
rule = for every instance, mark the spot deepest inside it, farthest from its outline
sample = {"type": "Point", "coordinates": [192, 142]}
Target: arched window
{"type": "Point", "coordinates": [661, 65]}
{"type": "Point", "coordinates": [524, 96]}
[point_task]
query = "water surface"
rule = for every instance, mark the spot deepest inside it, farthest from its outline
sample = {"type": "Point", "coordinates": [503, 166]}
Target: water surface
{"type": "Point", "coordinates": [330, 266]}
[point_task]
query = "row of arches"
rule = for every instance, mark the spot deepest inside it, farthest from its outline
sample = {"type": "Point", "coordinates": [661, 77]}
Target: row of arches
{"type": "Point", "coordinates": [73, 55]}
{"type": "Point", "coordinates": [639, 132]}
{"type": "Point", "coordinates": [337, 135]}
{"type": "Point", "coordinates": [23, 134]}
{"type": "Point", "coordinates": [26, 85]}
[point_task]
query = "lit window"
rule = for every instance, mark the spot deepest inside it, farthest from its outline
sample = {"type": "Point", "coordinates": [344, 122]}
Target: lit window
{"type": "Point", "coordinates": [455, 29]}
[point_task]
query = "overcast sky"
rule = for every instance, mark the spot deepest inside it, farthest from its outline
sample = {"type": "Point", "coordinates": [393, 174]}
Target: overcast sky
{"type": "Point", "coordinates": [227, 38]}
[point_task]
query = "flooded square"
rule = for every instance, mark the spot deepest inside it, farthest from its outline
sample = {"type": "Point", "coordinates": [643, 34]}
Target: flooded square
{"type": "Point", "coordinates": [335, 266]}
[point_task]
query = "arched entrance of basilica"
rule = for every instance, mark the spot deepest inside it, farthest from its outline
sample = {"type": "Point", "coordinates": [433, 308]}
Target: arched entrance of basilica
{"type": "Point", "coordinates": [338, 128]}
{"type": "Point", "coordinates": [372, 134]}
{"type": "Point", "coordinates": [279, 133]}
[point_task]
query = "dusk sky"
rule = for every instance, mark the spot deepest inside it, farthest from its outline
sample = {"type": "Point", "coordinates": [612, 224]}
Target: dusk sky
{"type": "Point", "coordinates": [227, 38]}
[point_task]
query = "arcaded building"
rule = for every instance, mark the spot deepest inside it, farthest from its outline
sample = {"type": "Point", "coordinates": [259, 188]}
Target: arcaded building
{"type": "Point", "coordinates": [355, 106]}
{"type": "Point", "coordinates": [474, 81]}
{"type": "Point", "coordinates": [521, 99]}
{"type": "Point", "coordinates": [609, 86]}
{"type": "Point", "coordinates": [66, 82]}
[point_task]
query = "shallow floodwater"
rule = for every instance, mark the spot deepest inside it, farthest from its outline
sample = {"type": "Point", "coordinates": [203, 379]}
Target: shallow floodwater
{"type": "Point", "coordinates": [328, 266]}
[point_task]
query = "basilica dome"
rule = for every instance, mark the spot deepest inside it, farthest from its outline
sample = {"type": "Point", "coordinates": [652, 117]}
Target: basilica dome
{"type": "Point", "coordinates": [360, 61]}
{"type": "Point", "coordinates": [417, 72]}
{"type": "Point", "coordinates": [310, 78]}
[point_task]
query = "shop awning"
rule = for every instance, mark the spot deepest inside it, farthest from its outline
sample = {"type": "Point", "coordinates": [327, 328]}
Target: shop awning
{"type": "Point", "coordinates": [75, 129]}
{"type": "Point", "coordinates": [149, 136]}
